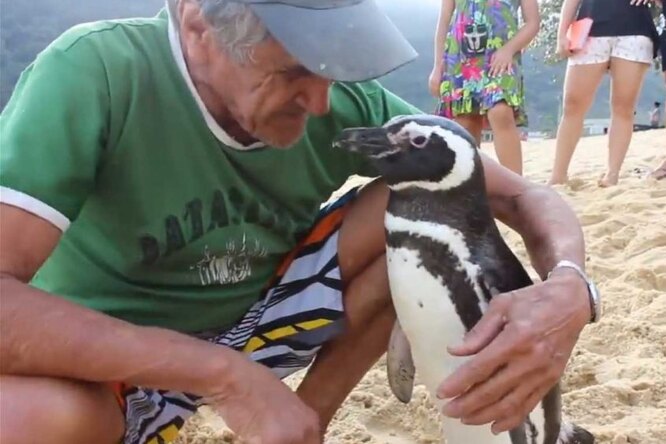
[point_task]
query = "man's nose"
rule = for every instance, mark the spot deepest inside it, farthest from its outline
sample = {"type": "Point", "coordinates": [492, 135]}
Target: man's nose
{"type": "Point", "coordinates": [315, 95]}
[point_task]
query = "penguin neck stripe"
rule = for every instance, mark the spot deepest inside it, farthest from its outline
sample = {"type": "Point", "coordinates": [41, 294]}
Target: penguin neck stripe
{"type": "Point", "coordinates": [463, 167]}
{"type": "Point", "coordinates": [442, 234]}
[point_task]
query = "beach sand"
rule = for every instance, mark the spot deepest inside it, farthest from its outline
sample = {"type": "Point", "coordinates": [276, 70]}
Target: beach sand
{"type": "Point", "coordinates": [615, 383]}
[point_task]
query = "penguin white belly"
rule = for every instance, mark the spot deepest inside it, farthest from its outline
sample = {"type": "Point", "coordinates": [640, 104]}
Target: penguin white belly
{"type": "Point", "coordinates": [429, 321]}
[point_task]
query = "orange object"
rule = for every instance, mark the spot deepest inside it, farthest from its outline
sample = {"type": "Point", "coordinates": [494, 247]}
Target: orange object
{"type": "Point", "coordinates": [578, 32]}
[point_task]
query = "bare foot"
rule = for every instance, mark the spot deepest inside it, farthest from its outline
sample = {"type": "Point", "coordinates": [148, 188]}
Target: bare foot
{"type": "Point", "coordinates": [609, 180]}
{"type": "Point", "coordinates": [558, 180]}
{"type": "Point", "coordinates": [658, 174]}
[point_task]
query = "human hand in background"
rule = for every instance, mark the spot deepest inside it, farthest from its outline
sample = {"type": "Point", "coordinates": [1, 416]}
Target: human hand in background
{"type": "Point", "coordinates": [435, 80]}
{"type": "Point", "coordinates": [501, 62]}
{"type": "Point", "coordinates": [563, 49]}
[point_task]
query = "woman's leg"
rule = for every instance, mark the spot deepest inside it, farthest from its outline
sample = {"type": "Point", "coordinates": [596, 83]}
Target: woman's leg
{"type": "Point", "coordinates": [506, 137]}
{"type": "Point", "coordinates": [580, 87]}
{"type": "Point", "coordinates": [472, 123]}
{"type": "Point", "coordinates": [626, 82]}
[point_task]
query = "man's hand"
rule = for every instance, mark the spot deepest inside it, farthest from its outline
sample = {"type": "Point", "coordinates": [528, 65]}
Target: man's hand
{"type": "Point", "coordinates": [260, 409]}
{"type": "Point", "coordinates": [501, 62]}
{"type": "Point", "coordinates": [523, 342]}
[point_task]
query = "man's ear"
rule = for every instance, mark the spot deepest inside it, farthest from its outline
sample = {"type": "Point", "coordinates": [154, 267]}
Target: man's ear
{"type": "Point", "coordinates": [196, 34]}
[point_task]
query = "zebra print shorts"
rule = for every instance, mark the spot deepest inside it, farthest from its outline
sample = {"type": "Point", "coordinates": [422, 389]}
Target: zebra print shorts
{"type": "Point", "coordinates": [301, 310]}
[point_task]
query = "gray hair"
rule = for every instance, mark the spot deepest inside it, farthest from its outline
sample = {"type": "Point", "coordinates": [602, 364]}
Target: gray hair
{"type": "Point", "coordinates": [237, 28]}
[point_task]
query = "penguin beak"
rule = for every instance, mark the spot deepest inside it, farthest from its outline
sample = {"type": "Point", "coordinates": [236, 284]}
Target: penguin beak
{"type": "Point", "coordinates": [366, 141]}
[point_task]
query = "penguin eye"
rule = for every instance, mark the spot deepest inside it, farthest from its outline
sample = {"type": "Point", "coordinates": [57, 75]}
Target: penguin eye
{"type": "Point", "coordinates": [419, 141]}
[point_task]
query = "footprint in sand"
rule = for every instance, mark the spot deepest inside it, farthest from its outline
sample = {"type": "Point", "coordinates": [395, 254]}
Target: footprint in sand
{"type": "Point", "coordinates": [592, 218]}
{"type": "Point", "coordinates": [640, 245]}
{"type": "Point", "coordinates": [577, 184]}
{"type": "Point", "coordinates": [384, 435]}
{"type": "Point", "coordinates": [657, 193]}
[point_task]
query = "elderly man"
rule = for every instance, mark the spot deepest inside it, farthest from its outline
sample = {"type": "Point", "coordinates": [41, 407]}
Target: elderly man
{"type": "Point", "coordinates": [163, 245]}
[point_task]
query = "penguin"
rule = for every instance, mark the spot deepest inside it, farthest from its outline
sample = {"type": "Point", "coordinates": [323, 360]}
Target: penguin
{"type": "Point", "coordinates": [446, 260]}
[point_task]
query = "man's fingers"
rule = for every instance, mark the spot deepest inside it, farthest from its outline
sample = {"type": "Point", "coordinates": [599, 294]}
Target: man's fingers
{"type": "Point", "coordinates": [512, 421]}
{"type": "Point", "coordinates": [490, 392]}
{"type": "Point", "coordinates": [479, 368]}
{"type": "Point", "coordinates": [487, 329]}
{"type": "Point", "coordinates": [511, 404]}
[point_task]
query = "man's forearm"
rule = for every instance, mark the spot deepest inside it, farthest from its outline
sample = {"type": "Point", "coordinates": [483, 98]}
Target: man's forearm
{"type": "Point", "coordinates": [42, 334]}
{"type": "Point", "coordinates": [549, 227]}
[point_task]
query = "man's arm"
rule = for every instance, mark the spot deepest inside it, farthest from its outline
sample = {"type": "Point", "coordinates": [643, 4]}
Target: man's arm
{"type": "Point", "coordinates": [45, 335]}
{"type": "Point", "coordinates": [548, 226]}
{"type": "Point", "coordinates": [83, 344]}
{"type": "Point", "coordinates": [524, 340]}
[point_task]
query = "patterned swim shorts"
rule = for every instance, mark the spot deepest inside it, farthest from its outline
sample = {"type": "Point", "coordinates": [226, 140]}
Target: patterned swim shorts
{"type": "Point", "coordinates": [284, 331]}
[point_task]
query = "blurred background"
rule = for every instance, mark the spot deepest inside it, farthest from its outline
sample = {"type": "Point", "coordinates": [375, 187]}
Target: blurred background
{"type": "Point", "coordinates": [27, 27]}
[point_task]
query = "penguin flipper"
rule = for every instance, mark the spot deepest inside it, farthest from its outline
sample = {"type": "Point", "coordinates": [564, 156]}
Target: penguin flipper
{"type": "Point", "coordinates": [502, 270]}
{"type": "Point", "coordinates": [399, 365]}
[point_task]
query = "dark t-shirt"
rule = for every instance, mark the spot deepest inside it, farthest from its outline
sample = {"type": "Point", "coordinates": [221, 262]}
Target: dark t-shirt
{"type": "Point", "coordinates": [619, 18]}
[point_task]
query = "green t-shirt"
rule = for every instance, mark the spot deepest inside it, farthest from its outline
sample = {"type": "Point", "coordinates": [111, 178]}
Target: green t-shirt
{"type": "Point", "coordinates": [164, 224]}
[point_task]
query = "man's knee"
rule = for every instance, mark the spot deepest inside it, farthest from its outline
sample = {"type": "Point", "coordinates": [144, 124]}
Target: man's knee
{"type": "Point", "coordinates": [36, 410]}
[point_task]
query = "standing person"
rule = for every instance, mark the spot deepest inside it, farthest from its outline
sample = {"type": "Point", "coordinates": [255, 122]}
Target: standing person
{"type": "Point", "coordinates": [623, 41]}
{"type": "Point", "coordinates": [655, 115]}
{"type": "Point", "coordinates": [477, 71]}
{"type": "Point", "coordinates": [660, 172]}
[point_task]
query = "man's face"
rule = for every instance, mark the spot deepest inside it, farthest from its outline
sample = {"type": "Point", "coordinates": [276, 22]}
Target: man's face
{"type": "Point", "coordinates": [270, 97]}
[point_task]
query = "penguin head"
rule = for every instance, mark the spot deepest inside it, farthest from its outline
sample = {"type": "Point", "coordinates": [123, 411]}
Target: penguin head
{"type": "Point", "coordinates": [422, 150]}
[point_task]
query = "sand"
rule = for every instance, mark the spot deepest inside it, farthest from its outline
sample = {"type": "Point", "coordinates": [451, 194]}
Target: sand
{"type": "Point", "coordinates": [615, 383]}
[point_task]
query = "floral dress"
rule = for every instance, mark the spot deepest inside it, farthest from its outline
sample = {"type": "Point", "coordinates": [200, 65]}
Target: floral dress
{"type": "Point", "coordinates": [479, 28]}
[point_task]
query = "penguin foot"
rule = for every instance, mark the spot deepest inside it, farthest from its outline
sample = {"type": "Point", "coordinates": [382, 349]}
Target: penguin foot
{"type": "Point", "coordinates": [573, 434]}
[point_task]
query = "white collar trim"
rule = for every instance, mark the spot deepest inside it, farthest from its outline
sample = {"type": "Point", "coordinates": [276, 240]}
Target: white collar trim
{"type": "Point", "coordinates": [213, 126]}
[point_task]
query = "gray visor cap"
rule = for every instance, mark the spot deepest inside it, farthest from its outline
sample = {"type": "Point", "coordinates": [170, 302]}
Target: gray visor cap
{"type": "Point", "coordinates": [344, 40]}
